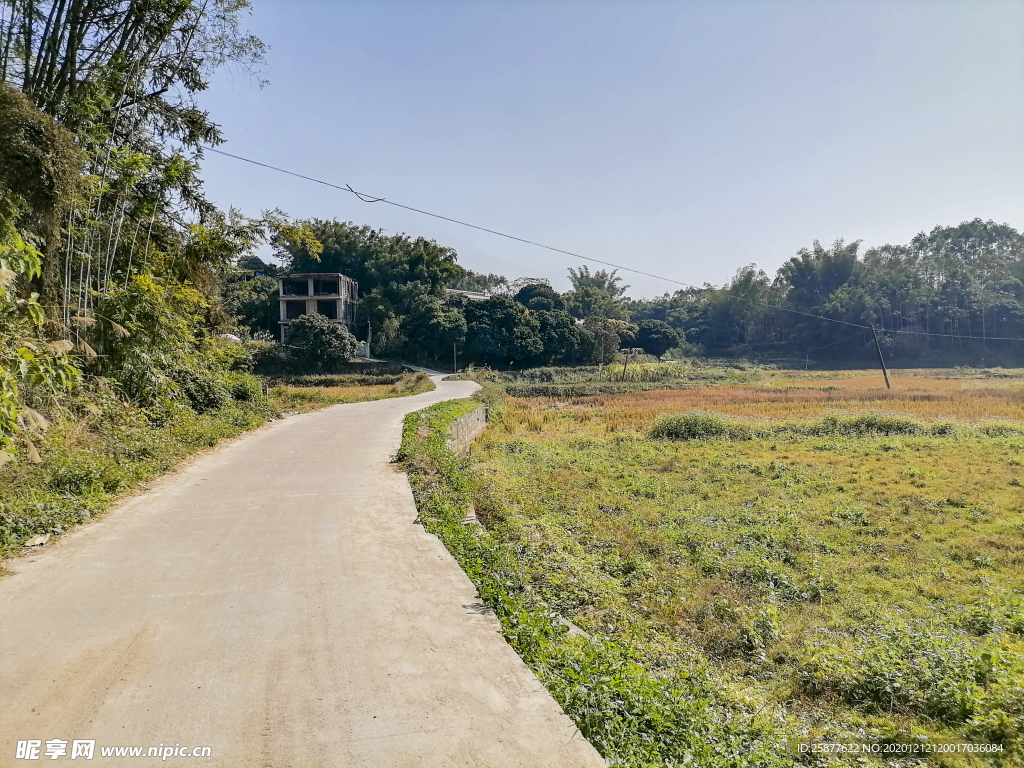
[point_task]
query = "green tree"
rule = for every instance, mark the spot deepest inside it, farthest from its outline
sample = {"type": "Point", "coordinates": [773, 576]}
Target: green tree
{"type": "Point", "coordinates": [608, 283]}
{"type": "Point", "coordinates": [814, 274]}
{"type": "Point", "coordinates": [123, 76]}
{"type": "Point", "coordinates": [540, 297]}
{"type": "Point", "coordinates": [40, 167]}
{"type": "Point", "coordinates": [592, 302]}
{"type": "Point", "coordinates": [145, 337]}
{"type": "Point", "coordinates": [434, 329]}
{"type": "Point", "coordinates": [468, 280]}
{"type": "Point", "coordinates": [600, 340]}
{"type": "Point", "coordinates": [253, 301]}
{"type": "Point", "coordinates": [656, 337]}
{"type": "Point", "coordinates": [318, 343]}
{"type": "Point", "coordinates": [502, 332]}
{"type": "Point", "coordinates": [597, 294]}
{"type": "Point", "coordinates": [627, 333]}
{"type": "Point", "coordinates": [811, 278]}
{"type": "Point", "coordinates": [562, 339]}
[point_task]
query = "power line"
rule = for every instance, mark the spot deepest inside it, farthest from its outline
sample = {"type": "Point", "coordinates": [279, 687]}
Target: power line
{"type": "Point", "coordinates": [808, 314]}
{"type": "Point", "coordinates": [840, 341]}
{"type": "Point", "coordinates": [885, 330]}
{"type": "Point", "coordinates": [953, 335]}
{"type": "Point", "coordinates": [371, 199]}
{"type": "Point", "coordinates": [366, 198]}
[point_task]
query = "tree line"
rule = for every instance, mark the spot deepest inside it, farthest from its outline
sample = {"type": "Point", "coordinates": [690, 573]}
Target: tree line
{"type": "Point", "coordinates": [411, 308]}
{"type": "Point", "coordinates": [955, 293]}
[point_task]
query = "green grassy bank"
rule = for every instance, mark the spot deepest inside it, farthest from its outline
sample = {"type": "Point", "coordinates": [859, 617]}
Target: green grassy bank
{"type": "Point", "coordinates": [802, 566]}
{"type": "Point", "coordinates": [635, 714]}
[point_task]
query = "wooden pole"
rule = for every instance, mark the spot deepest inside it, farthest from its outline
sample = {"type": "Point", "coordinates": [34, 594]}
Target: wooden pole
{"type": "Point", "coordinates": [455, 359]}
{"type": "Point", "coordinates": [881, 362]}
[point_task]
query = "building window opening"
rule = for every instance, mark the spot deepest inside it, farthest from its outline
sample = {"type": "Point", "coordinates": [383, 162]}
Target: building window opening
{"type": "Point", "coordinates": [294, 309]}
{"type": "Point", "coordinates": [328, 309]}
{"type": "Point", "coordinates": [296, 287]}
{"type": "Point", "coordinates": [325, 288]}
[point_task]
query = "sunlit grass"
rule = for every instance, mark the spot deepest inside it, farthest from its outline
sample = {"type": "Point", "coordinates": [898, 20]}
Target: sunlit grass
{"type": "Point", "coordinates": [783, 396]}
{"type": "Point", "coordinates": [309, 397]}
{"type": "Point", "coordinates": [815, 572]}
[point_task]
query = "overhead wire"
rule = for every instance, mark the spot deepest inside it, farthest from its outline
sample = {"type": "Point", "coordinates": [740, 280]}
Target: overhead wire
{"type": "Point", "coordinates": [371, 199]}
{"type": "Point", "coordinates": [839, 341]}
{"type": "Point", "coordinates": [366, 198]}
{"type": "Point", "coordinates": [885, 330]}
{"type": "Point", "coordinates": [953, 335]}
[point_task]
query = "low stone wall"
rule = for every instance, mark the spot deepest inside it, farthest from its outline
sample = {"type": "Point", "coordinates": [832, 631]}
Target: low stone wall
{"type": "Point", "coordinates": [467, 428]}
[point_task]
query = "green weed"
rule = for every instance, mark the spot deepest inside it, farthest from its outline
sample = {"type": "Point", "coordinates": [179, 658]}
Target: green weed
{"type": "Point", "coordinates": [803, 569]}
{"type": "Point", "coordinates": [697, 425]}
{"type": "Point", "coordinates": [633, 714]}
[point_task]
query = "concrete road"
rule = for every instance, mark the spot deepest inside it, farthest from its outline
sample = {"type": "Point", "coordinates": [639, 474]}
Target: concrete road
{"type": "Point", "coordinates": [275, 602]}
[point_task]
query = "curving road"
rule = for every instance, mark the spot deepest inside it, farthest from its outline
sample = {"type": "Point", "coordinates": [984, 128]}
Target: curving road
{"type": "Point", "coordinates": [275, 602]}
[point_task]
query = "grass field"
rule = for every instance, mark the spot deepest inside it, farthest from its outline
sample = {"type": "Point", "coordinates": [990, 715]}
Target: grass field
{"type": "Point", "coordinates": [825, 558]}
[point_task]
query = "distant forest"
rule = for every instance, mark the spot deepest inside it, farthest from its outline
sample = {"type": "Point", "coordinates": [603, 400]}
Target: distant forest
{"type": "Point", "coordinates": [955, 292]}
{"type": "Point", "coordinates": [953, 295]}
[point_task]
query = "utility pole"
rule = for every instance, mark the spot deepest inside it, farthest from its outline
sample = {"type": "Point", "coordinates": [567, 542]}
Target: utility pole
{"type": "Point", "coordinates": [455, 359]}
{"type": "Point", "coordinates": [807, 362]}
{"type": "Point", "coordinates": [881, 362]}
{"type": "Point", "coordinates": [634, 351]}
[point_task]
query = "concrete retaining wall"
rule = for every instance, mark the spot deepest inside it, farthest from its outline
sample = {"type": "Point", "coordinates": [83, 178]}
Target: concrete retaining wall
{"type": "Point", "coordinates": [467, 428]}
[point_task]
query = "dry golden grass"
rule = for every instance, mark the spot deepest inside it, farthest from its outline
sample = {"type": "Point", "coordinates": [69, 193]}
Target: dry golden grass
{"type": "Point", "coordinates": [303, 399]}
{"type": "Point", "coordinates": [923, 394]}
{"type": "Point", "coordinates": [310, 398]}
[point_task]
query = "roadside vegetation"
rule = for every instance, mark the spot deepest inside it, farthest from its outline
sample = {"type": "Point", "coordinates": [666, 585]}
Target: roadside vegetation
{"type": "Point", "coordinates": [628, 374]}
{"type": "Point", "coordinates": [747, 564]}
{"type": "Point", "coordinates": [99, 447]}
{"type": "Point", "coordinates": [308, 393]}
{"type": "Point", "coordinates": [119, 346]}
{"type": "Point", "coordinates": [95, 444]}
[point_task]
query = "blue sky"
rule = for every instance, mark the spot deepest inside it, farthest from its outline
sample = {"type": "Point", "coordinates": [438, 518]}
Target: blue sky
{"type": "Point", "coordinates": [686, 139]}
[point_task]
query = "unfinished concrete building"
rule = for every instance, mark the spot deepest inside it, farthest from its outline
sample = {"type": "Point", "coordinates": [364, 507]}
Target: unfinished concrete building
{"type": "Point", "coordinates": [330, 294]}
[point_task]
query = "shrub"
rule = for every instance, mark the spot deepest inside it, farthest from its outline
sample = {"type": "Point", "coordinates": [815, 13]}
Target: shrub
{"type": "Point", "coordinates": [245, 388]}
{"type": "Point", "coordinates": [696, 425]}
{"type": "Point", "coordinates": [319, 343]}
{"type": "Point", "coordinates": [73, 474]}
{"type": "Point", "coordinates": [1002, 429]}
{"type": "Point", "coordinates": [914, 667]}
{"type": "Point", "coordinates": [866, 424]}
{"type": "Point", "coordinates": [204, 390]}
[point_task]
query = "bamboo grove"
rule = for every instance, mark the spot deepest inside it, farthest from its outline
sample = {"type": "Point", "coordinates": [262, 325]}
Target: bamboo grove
{"type": "Point", "coordinates": [100, 141]}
